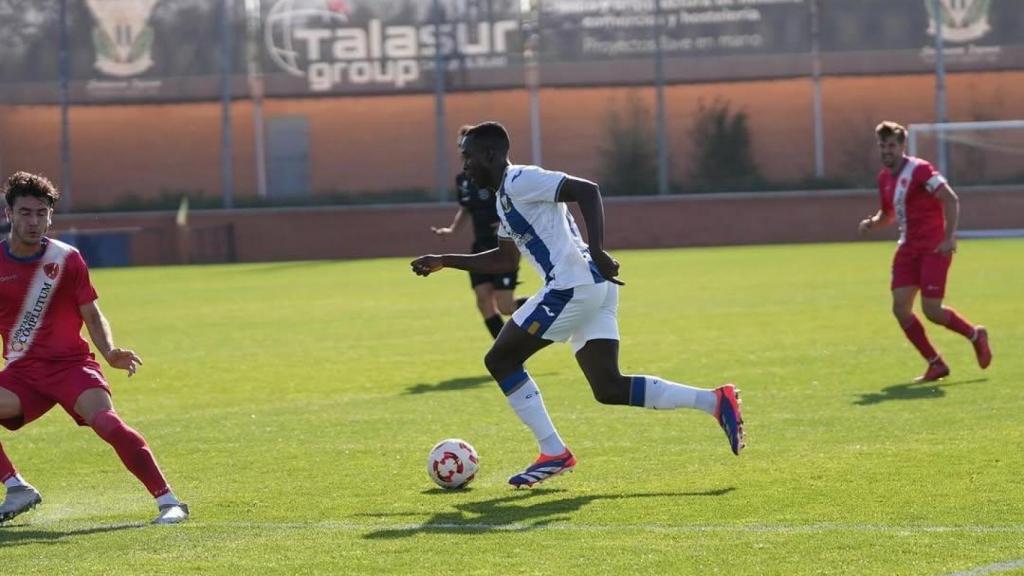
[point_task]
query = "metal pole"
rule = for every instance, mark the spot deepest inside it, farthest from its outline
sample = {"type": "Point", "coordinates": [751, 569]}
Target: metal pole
{"type": "Point", "coordinates": [659, 88]}
{"type": "Point", "coordinates": [226, 150]}
{"type": "Point", "coordinates": [533, 88]}
{"type": "Point", "coordinates": [940, 88]}
{"type": "Point", "coordinates": [64, 63]}
{"type": "Point", "coordinates": [441, 143]}
{"type": "Point", "coordinates": [819, 129]}
{"type": "Point", "coordinates": [255, 77]}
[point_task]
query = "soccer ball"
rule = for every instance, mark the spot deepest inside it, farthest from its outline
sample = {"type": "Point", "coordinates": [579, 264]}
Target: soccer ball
{"type": "Point", "coordinates": [452, 463]}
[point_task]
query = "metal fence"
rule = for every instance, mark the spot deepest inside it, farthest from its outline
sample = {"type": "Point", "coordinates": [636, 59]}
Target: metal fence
{"type": "Point", "coordinates": [108, 52]}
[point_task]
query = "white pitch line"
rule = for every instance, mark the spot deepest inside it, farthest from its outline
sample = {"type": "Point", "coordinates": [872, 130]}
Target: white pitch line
{"type": "Point", "coordinates": [992, 568]}
{"type": "Point", "coordinates": [338, 525]}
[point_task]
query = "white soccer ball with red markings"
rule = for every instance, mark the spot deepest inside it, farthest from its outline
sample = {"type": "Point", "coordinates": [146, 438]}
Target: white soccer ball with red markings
{"type": "Point", "coordinates": [452, 463]}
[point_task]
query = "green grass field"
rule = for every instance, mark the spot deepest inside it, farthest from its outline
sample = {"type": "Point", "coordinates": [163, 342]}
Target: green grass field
{"type": "Point", "coordinates": [293, 405]}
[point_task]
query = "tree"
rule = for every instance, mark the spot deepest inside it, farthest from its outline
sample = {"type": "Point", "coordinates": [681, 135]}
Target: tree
{"type": "Point", "coordinates": [629, 163]}
{"type": "Point", "coordinates": [723, 158]}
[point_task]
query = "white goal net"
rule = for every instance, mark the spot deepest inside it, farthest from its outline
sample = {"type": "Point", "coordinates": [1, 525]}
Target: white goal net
{"type": "Point", "coordinates": [977, 153]}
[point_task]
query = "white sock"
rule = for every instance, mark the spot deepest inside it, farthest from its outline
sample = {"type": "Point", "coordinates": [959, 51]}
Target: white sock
{"type": "Point", "coordinates": [660, 394]}
{"type": "Point", "coordinates": [529, 406]}
{"type": "Point", "coordinates": [15, 481]}
{"type": "Point", "coordinates": [168, 499]}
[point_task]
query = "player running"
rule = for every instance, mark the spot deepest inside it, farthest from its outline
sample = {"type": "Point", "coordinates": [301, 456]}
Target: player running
{"type": "Point", "coordinates": [494, 292]}
{"type": "Point", "coordinates": [916, 195]}
{"type": "Point", "coordinates": [45, 296]}
{"type": "Point", "coordinates": [578, 302]}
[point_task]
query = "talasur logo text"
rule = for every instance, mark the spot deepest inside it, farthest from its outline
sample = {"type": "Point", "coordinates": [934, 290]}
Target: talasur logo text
{"type": "Point", "coordinates": [328, 50]}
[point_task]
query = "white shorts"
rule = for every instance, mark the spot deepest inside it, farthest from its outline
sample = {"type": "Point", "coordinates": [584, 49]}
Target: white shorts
{"type": "Point", "coordinates": [577, 314]}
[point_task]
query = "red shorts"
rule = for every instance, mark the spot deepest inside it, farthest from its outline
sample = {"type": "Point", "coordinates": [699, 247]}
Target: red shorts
{"type": "Point", "coordinates": [40, 386]}
{"type": "Point", "coordinates": [926, 270]}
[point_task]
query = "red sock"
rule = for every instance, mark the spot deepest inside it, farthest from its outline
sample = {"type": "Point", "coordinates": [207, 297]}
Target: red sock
{"type": "Point", "coordinates": [131, 447]}
{"type": "Point", "coordinates": [956, 323]}
{"type": "Point", "coordinates": [6, 468]}
{"type": "Point", "coordinates": [915, 333]}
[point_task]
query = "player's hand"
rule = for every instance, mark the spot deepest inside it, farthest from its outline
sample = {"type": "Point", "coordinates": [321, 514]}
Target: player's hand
{"type": "Point", "coordinates": [441, 231]}
{"type": "Point", "coordinates": [607, 266]}
{"type": "Point", "coordinates": [948, 247]}
{"type": "Point", "coordinates": [426, 265]}
{"type": "Point", "coordinates": [865, 225]}
{"type": "Point", "coordinates": [124, 360]}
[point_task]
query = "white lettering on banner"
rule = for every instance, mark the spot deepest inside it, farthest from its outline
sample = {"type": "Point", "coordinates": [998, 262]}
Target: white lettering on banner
{"type": "Point", "coordinates": [322, 45]}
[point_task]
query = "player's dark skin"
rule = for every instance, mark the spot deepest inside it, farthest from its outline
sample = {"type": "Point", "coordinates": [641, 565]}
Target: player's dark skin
{"type": "Point", "coordinates": [485, 164]}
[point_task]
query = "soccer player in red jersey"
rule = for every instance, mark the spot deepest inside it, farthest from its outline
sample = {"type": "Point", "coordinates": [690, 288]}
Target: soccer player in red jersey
{"type": "Point", "coordinates": [914, 194]}
{"type": "Point", "coordinates": [45, 297]}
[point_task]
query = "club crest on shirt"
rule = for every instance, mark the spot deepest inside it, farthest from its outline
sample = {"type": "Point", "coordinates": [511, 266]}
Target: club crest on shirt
{"type": "Point", "coordinates": [51, 270]}
{"type": "Point", "coordinates": [904, 182]}
{"type": "Point", "coordinates": [506, 204]}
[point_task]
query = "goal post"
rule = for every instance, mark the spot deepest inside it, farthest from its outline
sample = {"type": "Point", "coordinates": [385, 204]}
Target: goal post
{"type": "Point", "coordinates": [979, 153]}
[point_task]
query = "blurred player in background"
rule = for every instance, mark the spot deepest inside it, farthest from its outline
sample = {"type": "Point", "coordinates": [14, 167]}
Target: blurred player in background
{"type": "Point", "coordinates": [914, 194]}
{"type": "Point", "coordinates": [45, 295]}
{"type": "Point", "coordinates": [578, 302]}
{"type": "Point", "coordinates": [494, 292]}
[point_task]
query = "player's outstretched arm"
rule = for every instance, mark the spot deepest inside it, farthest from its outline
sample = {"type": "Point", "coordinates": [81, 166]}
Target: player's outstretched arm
{"type": "Point", "coordinates": [504, 258]}
{"type": "Point", "coordinates": [587, 196]}
{"type": "Point", "coordinates": [103, 339]}
{"type": "Point", "coordinates": [453, 227]}
{"type": "Point", "coordinates": [879, 220]}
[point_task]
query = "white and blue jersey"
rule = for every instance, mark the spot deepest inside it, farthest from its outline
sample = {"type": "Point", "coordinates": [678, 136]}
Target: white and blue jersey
{"type": "Point", "coordinates": [543, 228]}
{"type": "Point", "coordinates": [576, 303]}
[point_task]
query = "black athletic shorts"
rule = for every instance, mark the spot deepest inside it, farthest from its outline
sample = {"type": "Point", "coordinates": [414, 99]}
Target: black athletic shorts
{"type": "Point", "coordinates": [505, 281]}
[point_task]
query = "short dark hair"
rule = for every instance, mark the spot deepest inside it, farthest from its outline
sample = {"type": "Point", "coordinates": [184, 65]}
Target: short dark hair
{"type": "Point", "coordinates": [492, 134]}
{"type": "Point", "coordinates": [28, 184]}
{"type": "Point", "coordinates": [463, 130]}
{"type": "Point", "coordinates": [888, 129]}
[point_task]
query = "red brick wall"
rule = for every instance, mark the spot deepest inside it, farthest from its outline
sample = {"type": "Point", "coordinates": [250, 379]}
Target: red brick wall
{"type": "Point", "coordinates": [366, 232]}
{"type": "Point", "coordinates": [387, 142]}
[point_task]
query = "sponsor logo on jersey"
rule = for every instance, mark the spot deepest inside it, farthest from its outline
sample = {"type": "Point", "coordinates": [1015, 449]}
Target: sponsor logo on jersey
{"type": "Point", "coordinates": [23, 333]}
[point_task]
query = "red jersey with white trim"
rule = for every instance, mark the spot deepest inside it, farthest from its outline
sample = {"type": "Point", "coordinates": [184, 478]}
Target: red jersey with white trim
{"type": "Point", "coordinates": [39, 304]}
{"type": "Point", "coordinates": [910, 195]}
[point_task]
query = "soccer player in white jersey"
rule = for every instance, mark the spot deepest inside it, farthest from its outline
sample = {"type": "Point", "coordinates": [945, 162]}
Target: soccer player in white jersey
{"type": "Point", "coordinates": [577, 304]}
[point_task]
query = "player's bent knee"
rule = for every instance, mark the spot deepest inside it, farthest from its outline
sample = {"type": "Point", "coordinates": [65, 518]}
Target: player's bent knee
{"type": "Point", "coordinates": [610, 390]}
{"type": "Point", "coordinates": [936, 315]}
{"type": "Point", "coordinates": [497, 363]}
{"type": "Point", "coordinates": [902, 313]}
{"type": "Point", "coordinates": [10, 404]}
{"type": "Point", "coordinates": [611, 397]}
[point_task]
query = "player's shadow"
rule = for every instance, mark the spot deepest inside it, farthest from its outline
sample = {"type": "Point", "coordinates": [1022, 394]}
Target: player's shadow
{"type": "Point", "coordinates": [18, 535]}
{"type": "Point", "coordinates": [912, 391]}
{"type": "Point", "coordinates": [518, 512]}
{"type": "Point", "coordinates": [449, 385]}
{"type": "Point", "coordinates": [453, 384]}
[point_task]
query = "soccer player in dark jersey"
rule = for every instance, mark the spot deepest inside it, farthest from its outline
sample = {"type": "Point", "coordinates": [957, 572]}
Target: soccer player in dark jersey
{"type": "Point", "coordinates": [914, 194]}
{"type": "Point", "coordinates": [45, 297]}
{"type": "Point", "coordinates": [495, 293]}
